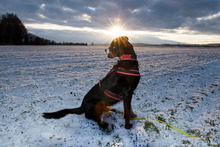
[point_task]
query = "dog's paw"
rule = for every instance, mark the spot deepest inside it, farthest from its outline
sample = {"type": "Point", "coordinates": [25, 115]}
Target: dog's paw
{"type": "Point", "coordinates": [106, 127]}
{"type": "Point", "coordinates": [128, 126]}
{"type": "Point", "coordinates": [103, 125]}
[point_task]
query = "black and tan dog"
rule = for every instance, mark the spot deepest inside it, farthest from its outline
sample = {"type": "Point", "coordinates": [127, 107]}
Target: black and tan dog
{"type": "Point", "coordinates": [119, 84]}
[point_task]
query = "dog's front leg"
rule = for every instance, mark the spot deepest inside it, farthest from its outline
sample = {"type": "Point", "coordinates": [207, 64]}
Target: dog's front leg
{"type": "Point", "coordinates": [127, 112]}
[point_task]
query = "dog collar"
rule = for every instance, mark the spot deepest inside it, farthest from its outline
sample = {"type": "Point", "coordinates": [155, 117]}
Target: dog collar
{"type": "Point", "coordinates": [128, 57]}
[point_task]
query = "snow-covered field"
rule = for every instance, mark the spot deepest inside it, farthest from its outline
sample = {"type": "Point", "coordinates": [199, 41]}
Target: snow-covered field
{"type": "Point", "coordinates": [178, 85]}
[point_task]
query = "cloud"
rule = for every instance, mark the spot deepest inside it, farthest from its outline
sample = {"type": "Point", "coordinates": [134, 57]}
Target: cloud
{"type": "Point", "coordinates": [194, 17]}
{"type": "Point", "coordinates": [212, 22]}
{"type": "Point", "coordinates": [141, 14]}
{"type": "Point", "coordinates": [171, 14]}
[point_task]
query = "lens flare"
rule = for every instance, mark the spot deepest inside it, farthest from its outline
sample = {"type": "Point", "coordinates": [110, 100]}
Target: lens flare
{"type": "Point", "coordinates": [117, 31]}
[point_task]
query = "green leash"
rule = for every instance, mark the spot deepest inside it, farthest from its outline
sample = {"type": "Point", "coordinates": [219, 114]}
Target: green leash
{"type": "Point", "coordinates": [143, 118]}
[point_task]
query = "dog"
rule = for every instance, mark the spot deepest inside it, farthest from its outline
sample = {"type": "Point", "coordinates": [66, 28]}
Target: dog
{"type": "Point", "coordinates": [118, 85]}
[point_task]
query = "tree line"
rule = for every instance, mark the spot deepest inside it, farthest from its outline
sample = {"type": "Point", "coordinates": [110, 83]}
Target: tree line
{"type": "Point", "coordinates": [13, 32]}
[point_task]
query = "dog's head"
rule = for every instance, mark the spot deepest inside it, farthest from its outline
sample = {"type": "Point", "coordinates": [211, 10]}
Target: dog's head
{"type": "Point", "coordinates": [120, 46]}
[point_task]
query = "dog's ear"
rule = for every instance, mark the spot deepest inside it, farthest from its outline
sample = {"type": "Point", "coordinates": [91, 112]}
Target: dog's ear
{"type": "Point", "coordinates": [124, 37]}
{"type": "Point", "coordinates": [123, 42]}
{"type": "Point", "coordinates": [125, 47]}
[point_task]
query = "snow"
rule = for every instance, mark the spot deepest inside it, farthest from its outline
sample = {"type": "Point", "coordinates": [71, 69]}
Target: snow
{"type": "Point", "coordinates": [178, 85]}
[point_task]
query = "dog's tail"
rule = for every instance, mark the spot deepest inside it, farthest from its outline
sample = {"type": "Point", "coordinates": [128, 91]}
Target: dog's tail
{"type": "Point", "coordinates": [61, 113]}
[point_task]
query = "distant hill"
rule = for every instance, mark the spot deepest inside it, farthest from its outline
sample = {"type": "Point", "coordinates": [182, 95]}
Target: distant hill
{"type": "Point", "coordinates": [178, 45]}
{"type": "Point", "coordinates": [13, 32]}
{"type": "Point", "coordinates": [167, 45]}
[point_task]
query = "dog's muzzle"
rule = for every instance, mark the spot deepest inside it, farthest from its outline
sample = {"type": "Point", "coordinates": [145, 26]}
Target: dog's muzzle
{"type": "Point", "coordinates": [107, 51]}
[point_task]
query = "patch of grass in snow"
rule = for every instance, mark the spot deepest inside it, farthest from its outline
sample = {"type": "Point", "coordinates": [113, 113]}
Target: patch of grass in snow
{"type": "Point", "coordinates": [161, 118]}
{"type": "Point", "coordinates": [190, 107]}
{"type": "Point", "coordinates": [195, 132]}
{"type": "Point", "coordinates": [207, 136]}
{"type": "Point", "coordinates": [149, 126]}
{"type": "Point", "coordinates": [172, 111]}
{"type": "Point", "coordinates": [186, 142]}
{"type": "Point", "coordinates": [116, 141]}
{"type": "Point", "coordinates": [100, 144]}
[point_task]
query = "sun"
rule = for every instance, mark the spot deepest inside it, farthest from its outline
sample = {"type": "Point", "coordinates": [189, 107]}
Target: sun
{"type": "Point", "coordinates": [117, 31]}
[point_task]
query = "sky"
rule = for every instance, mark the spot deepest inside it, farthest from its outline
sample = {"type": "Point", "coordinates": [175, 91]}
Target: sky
{"type": "Point", "coordinates": [100, 21]}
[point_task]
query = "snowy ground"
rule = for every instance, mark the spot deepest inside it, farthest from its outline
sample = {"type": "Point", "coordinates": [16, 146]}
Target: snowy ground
{"type": "Point", "coordinates": [178, 85]}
